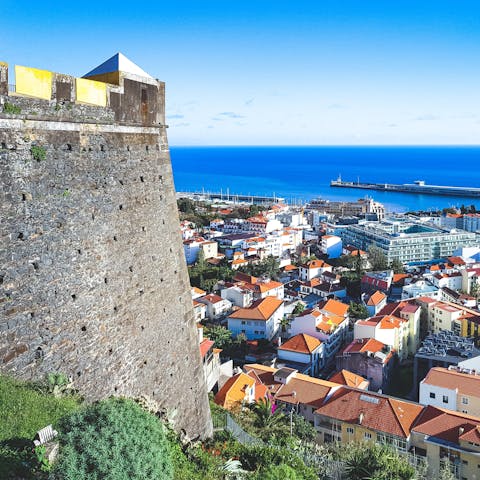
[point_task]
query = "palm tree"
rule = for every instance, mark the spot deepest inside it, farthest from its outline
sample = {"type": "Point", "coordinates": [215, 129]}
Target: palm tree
{"type": "Point", "coordinates": [266, 416]}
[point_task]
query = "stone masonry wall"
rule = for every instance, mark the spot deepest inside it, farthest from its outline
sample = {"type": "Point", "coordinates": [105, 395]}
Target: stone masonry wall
{"type": "Point", "coordinates": [93, 281]}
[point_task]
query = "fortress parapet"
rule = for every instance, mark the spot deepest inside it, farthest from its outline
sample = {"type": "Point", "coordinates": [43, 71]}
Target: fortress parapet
{"type": "Point", "coordinates": [118, 85]}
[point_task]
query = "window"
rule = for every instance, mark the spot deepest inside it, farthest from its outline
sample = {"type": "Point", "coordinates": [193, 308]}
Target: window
{"type": "Point", "coordinates": [349, 429]}
{"type": "Point", "coordinates": [465, 400]}
{"type": "Point", "coordinates": [432, 395]}
{"type": "Point", "coordinates": [445, 399]}
{"type": "Point", "coordinates": [368, 436]}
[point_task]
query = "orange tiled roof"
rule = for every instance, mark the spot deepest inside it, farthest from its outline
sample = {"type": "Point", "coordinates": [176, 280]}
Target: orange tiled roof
{"type": "Point", "coordinates": [205, 346]}
{"type": "Point", "coordinates": [335, 307]}
{"type": "Point", "coordinates": [260, 310]}
{"type": "Point", "coordinates": [211, 298]}
{"type": "Point", "coordinates": [233, 391]}
{"type": "Point", "coordinates": [199, 291]}
{"type": "Point", "coordinates": [448, 425]}
{"type": "Point", "coordinates": [467, 384]}
{"type": "Point", "coordinates": [376, 412]}
{"type": "Point", "coordinates": [316, 264]}
{"type": "Point", "coordinates": [289, 268]}
{"type": "Point", "coordinates": [301, 343]}
{"type": "Point", "coordinates": [345, 377]}
{"type": "Point", "coordinates": [376, 298]}
{"type": "Point", "coordinates": [364, 345]}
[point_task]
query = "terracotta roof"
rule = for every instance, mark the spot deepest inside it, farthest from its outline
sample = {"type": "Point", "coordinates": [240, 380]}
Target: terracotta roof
{"type": "Point", "coordinates": [448, 425]}
{"type": "Point", "coordinates": [305, 390]}
{"type": "Point", "coordinates": [466, 383]}
{"type": "Point", "coordinates": [205, 346]}
{"type": "Point", "coordinates": [410, 308]}
{"type": "Point", "coordinates": [389, 322]}
{"type": "Point", "coordinates": [260, 310]}
{"type": "Point", "coordinates": [243, 277]}
{"type": "Point", "coordinates": [315, 264]}
{"type": "Point", "coordinates": [456, 260]}
{"type": "Point", "coordinates": [289, 268]}
{"type": "Point", "coordinates": [426, 300]}
{"type": "Point", "coordinates": [265, 374]}
{"type": "Point", "coordinates": [399, 277]}
{"type": "Point", "coordinates": [301, 343]}
{"type": "Point", "coordinates": [335, 307]}
{"type": "Point", "coordinates": [210, 298]}
{"type": "Point", "coordinates": [376, 298]}
{"type": "Point", "coordinates": [345, 377]}
{"type": "Point", "coordinates": [376, 412]}
{"type": "Point", "coordinates": [199, 291]}
{"type": "Point", "coordinates": [233, 391]}
{"type": "Point", "coordinates": [239, 261]}
{"type": "Point", "coordinates": [364, 345]}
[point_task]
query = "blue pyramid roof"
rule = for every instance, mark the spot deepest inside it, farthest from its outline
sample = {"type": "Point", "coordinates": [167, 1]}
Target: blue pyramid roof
{"type": "Point", "coordinates": [118, 63]}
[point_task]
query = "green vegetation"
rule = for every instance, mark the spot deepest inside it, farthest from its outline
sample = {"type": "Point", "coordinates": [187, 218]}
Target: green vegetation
{"type": "Point", "coordinates": [38, 153]}
{"type": "Point", "coordinates": [377, 258]}
{"type": "Point", "coordinates": [117, 439]}
{"type": "Point", "coordinates": [358, 311]}
{"type": "Point", "coordinates": [11, 108]}
{"type": "Point", "coordinates": [26, 408]}
{"type": "Point", "coordinates": [376, 462]}
{"type": "Point", "coordinates": [114, 440]}
{"type": "Point", "coordinates": [231, 347]}
{"type": "Point", "coordinates": [269, 266]}
{"type": "Point", "coordinates": [397, 266]}
{"type": "Point", "coordinates": [205, 276]}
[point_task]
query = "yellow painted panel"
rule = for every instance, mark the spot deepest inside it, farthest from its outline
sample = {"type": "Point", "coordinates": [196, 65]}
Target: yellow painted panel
{"type": "Point", "coordinates": [92, 92]}
{"type": "Point", "coordinates": [33, 82]}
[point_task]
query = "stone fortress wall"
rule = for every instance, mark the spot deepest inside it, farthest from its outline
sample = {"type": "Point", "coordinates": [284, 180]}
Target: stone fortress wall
{"type": "Point", "coordinates": [93, 281]}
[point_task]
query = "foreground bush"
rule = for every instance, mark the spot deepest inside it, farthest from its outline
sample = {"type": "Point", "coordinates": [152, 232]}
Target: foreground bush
{"type": "Point", "coordinates": [113, 440]}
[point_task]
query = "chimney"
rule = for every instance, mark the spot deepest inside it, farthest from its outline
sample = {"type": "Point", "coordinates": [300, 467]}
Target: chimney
{"type": "Point", "coordinates": [294, 394]}
{"type": "Point", "coordinates": [360, 418]}
{"type": "Point", "coordinates": [460, 431]}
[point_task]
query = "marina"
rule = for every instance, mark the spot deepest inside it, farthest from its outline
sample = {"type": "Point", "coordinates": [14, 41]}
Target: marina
{"type": "Point", "coordinates": [418, 187]}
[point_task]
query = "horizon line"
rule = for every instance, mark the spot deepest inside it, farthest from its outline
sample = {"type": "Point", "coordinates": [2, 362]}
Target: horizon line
{"type": "Point", "coordinates": [392, 145]}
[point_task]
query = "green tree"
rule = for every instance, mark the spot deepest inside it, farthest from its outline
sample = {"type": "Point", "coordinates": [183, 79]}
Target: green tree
{"type": "Point", "coordinates": [375, 462]}
{"type": "Point", "coordinates": [303, 429]}
{"type": "Point", "coordinates": [185, 205]}
{"type": "Point", "coordinates": [299, 308]}
{"type": "Point", "coordinates": [377, 258]}
{"type": "Point", "coordinates": [266, 418]}
{"type": "Point", "coordinates": [114, 439]}
{"type": "Point", "coordinates": [285, 323]}
{"type": "Point", "coordinates": [358, 311]}
{"type": "Point", "coordinates": [220, 335]}
{"type": "Point", "coordinates": [397, 266]}
{"type": "Point", "coordinates": [276, 472]}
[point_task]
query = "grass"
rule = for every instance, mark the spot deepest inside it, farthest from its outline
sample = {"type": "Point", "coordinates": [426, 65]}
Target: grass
{"type": "Point", "coordinates": [26, 408]}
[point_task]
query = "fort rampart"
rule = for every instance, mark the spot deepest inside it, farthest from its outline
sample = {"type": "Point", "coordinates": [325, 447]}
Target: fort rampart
{"type": "Point", "coordinates": [93, 281]}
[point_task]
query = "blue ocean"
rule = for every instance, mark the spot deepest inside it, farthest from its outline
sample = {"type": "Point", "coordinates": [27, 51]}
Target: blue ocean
{"type": "Point", "coordinates": [301, 173]}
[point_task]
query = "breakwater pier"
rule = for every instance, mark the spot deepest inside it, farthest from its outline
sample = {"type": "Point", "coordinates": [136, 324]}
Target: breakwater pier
{"type": "Point", "coordinates": [418, 187]}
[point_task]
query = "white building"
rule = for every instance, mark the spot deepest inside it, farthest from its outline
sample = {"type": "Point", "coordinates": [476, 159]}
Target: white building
{"type": "Point", "coordinates": [240, 297]}
{"type": "Point", "coordinates": [312, 269]}
{"type": "Point", "coordinates": [216, 306]}
{"type": "Point", "coordinates": [261, 320]}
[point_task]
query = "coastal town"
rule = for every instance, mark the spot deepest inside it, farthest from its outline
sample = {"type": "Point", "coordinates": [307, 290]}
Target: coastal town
{"type": "Point", "coordinates": [364, 323]}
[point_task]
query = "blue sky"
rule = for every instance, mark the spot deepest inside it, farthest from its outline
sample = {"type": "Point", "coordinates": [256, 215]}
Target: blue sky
{"type": "Point", "coordinates": [276, 72]}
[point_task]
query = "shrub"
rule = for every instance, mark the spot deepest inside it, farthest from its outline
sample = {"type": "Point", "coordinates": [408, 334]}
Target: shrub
{"type": "Point", "coordinates": [11, 108]}
{"type": "Point", "coordinates": [114, 439]}
{"type": "Point", "coordinates": [275, 472]}
{"type": "Point", "coordinates": [38, 153]}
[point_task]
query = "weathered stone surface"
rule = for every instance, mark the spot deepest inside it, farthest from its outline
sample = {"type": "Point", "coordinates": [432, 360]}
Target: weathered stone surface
{"type": "Point", "coordinates": [93, 281]}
